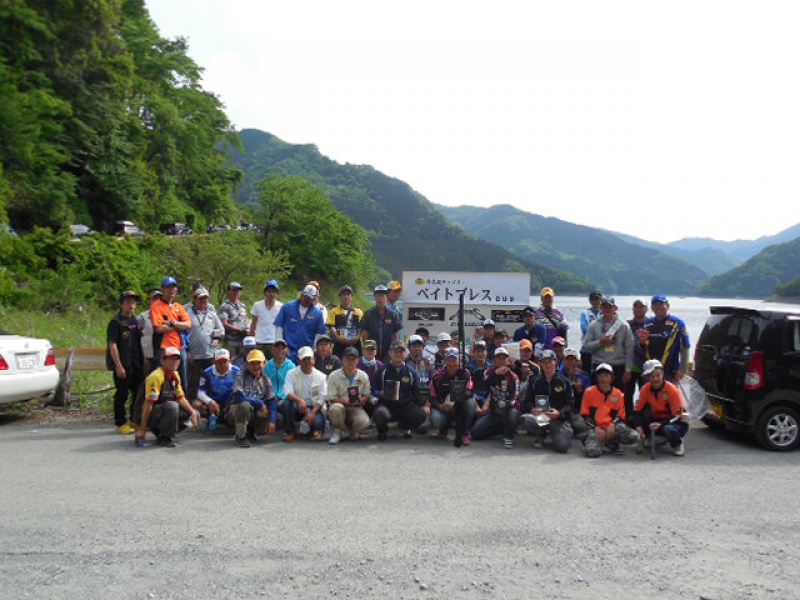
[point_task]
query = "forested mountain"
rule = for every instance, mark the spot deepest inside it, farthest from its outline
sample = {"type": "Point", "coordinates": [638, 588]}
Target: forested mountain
{"type": "Point", "coordinates": [405, 229]}
{"type": "Point", "coordinates": [759, 276]}
{"type": "Point", "coordinates": [711, 260]}
{"type": "Point", "coordinates": [102, 119]}
{"type": "Point", "coordinates": [615, 265]}
{"type": "Point", "coordinates": [739, 250]}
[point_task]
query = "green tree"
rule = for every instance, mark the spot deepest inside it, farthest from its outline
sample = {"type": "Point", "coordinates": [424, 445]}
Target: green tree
{"type": "Point", "coordinates": [297, 217]}
{"type": "Point", "coordinates": [216, 260]}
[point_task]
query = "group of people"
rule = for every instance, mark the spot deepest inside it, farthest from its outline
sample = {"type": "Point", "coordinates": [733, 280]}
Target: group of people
{"type": "Point", "coordinates": [334, 373]}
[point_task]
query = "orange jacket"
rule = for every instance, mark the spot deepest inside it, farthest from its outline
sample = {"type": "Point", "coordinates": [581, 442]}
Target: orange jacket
{"type": "Point", "coordinates": [603, 408]}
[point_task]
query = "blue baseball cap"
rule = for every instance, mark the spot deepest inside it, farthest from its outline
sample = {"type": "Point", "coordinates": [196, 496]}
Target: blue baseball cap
{"type": "Point", "coordinates": [659, 298]}
{"type": "Point", "coordinates": [271, 283]}
{"type": "Point", "coordinates": [168, 281]}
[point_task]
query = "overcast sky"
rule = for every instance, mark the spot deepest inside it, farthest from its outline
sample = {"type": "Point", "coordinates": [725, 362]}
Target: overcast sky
{"type": "Point", "coordinates": [657, 119]}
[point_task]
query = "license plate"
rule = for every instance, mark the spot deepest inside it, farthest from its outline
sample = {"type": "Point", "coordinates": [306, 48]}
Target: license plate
{"type": "Point", "coordinates": [716, 407]}
{"type": "Point", "coordinates": [26, 361]}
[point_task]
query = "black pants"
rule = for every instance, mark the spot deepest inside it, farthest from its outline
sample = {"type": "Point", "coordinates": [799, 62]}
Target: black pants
{"type": "Point", "coordinates": [126, 388]}
{"type": "Point", "coordinates": [410, 416]}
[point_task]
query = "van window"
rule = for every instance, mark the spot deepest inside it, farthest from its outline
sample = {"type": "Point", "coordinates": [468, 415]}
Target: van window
{"type": "Point", "coordinates": [795, 336]}
{"type": "Point", "coordinates": [731, 335]}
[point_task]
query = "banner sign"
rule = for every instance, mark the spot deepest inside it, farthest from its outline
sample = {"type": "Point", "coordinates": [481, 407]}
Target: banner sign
{"type": "Point", "coordinates": [485, 289]}
{"type": "Point", "coordinates": [430, 300]}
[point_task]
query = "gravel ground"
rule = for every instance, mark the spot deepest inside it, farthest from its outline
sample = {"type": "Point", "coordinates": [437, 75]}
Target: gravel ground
{"type": "Point", "coordinates": [86, 514]}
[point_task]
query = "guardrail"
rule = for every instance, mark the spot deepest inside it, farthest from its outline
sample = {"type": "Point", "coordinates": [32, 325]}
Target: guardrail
{"type": "Point", "coordinates": [75, 359]}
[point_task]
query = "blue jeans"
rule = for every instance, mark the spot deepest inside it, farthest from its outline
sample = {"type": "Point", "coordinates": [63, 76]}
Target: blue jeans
{"type": "Point", "coordinates": [291, 416]}
{"type": "Point", "coordinates": [493, 423]}
{"type": "Point", "coordinates": [442, 421]}
{"type": "Point", "coordinates": [674, 432]}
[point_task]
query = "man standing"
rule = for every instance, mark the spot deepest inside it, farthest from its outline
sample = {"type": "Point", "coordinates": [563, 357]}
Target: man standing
{"type": "Point", "coordinates": [588, 316]}
{"type": "Point", "coordinates": [531, 330]}
{"type": "Point", "coordinates": [253, 402]}
{"type": "Point", "coordinates": [380, 323]}
{"type": "Point", "coordinates": [233, 314]}
{"type": "Point", "coordinates": [264, 313]}
{"type": "Point", "coordinates": [348, 392]}
{"type": "Point", "coordinates": [660, 408]}
{"type": "Point", "coordinates": [393, 292]}
{"type": "Point", "coordinates": [170, 322]}
{"type": "Point", "coordinates": [165, 405]}
{"type": "Point", "coordinates": [665, 339]}
{"type": "Point", "coordinates": [146, 325]}
{"type": "Point", "coordinates": [204, 339]}
{"type": "Point", "coordinates": [306, 391]}
{"type": "Point", "coordinates": [636, 324]}
{"type": "Point", "coordinates": [124, 359]}
{"type": "Point", "coordinates": [554, 321]}
{"type": "Point", "coordinates": [399, 396]}
{"type": "Point", "coordinates": [344, 323]}
{"type": "Point", "coordinates": [610, 341]}
{"type": "Point", "coordinates": [548, 405]}
{"type": "Point", "coordinates": [300, 321]}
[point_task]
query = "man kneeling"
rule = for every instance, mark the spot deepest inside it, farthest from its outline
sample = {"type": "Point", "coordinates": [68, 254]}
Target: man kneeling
{"type": "Point", "coordinates": [348, 392]}
{"type": "Point", "coordinates": [660, 408]}
{"type": "Point", "coordinates": [603, 408]}
{"type": "Point", "coordinates": [165, 406]}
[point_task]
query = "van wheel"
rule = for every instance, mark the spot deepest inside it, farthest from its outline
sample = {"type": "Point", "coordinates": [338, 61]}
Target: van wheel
{"type": "Point", "coordinates": [779, 429]}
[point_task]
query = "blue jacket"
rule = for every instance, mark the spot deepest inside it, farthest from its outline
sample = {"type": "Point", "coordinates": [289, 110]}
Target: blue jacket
{"type": "Point", "coordinates": [219, 387]}
{"type": "Point", "coordinates": [299, 331]}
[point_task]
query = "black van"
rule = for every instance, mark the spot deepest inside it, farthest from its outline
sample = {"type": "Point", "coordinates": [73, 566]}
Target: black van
{"type": "Point", "coordinates": [748, 361]}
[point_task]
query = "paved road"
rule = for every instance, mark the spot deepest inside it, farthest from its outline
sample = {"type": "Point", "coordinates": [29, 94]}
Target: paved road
{"type": "Point", "coordinates": [85, 514]}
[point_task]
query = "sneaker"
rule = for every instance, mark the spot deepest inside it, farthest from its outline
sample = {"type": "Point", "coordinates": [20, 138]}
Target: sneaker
{"type": "Point", "coordinates": [125, 429]}
{"type": "Point", "coordinates": [242, 442]}
{"type": "Point", "coordinates": [407, 434]}
{"type": "Point", "coordinates": [132, 424]}
{"type": "Point", "coordinates": [166, 442]}
{"type": "Point", "coordinates": [538, 442]}
{"type": "Point", "coordinates": [289, 437]}
{"type": "Point", "coordinates": [465, 441]}
{"type": "Point", "coordinates": [679, 450]}
{"type": "Point", "coordinates": [336, 437]}
{"type": "Point", "coordinates": [441, 434]}
{"type": "Point", "coordinates": [382, 435]}
{"type": "Point", "coordinates": [508, 443]}
{"type": "Point", "coordinates": [614, 448]}
{"type": "Point", "coordinates": [251, 437]}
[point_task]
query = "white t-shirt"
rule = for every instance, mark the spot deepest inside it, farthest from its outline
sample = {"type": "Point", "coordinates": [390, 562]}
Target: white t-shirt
{"type": "Point", "coordinates": [265, 327]}
{"type": "Point", "coordinates": [313, 388]}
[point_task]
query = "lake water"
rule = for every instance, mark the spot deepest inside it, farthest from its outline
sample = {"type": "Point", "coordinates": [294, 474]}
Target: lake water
{"type": "Point", "coordinates": [692, 310]}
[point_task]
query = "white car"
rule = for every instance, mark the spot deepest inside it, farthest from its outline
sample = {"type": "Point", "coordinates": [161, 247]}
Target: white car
{"type": "Point", "coordinates": [27, 368]}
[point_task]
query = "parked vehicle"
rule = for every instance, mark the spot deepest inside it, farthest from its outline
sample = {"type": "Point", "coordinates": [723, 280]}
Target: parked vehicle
{"type": "Point", "coordinates": [748, 362]}
{"type": "Point", "coordinates": [79, 230]}
{"type": "Point", "coordinates": [175, 229]}
{"type": "Point", "coordinates": [27, 368]}
{"type": "Point", "coordinates": [127, 228]}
